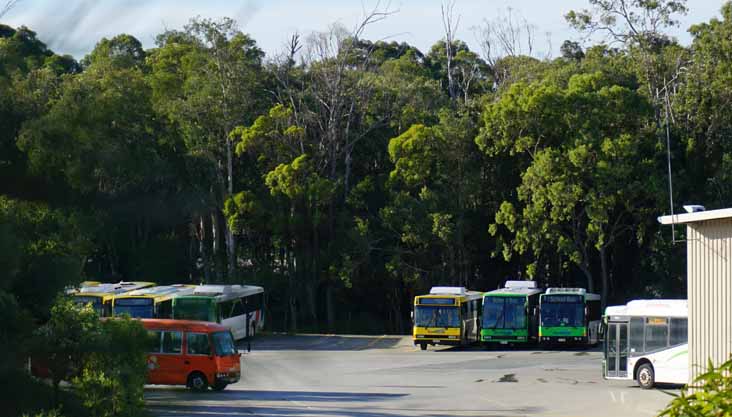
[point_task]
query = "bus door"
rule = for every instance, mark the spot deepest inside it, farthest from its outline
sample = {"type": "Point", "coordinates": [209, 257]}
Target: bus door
{"type": "Point", "coordinates": [616, 350]}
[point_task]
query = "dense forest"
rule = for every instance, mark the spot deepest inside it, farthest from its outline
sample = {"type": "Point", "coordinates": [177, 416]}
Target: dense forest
{"type": "Point", "coordinates": [346, 175]}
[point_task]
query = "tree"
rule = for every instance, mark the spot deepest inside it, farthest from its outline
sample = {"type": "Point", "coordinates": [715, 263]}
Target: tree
{"type": "Point", "coordinates": [205, 79]}
{"type": "Point", "coordinates": [590, 159]}
{"type": "Point", "coordinates": [63, 343]}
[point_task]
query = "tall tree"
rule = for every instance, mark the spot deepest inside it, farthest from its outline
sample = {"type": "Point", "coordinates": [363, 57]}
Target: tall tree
{"type": "Point", "coordinates": [206, 80]}
{"type": "Point", "coordinates": [590, 159]}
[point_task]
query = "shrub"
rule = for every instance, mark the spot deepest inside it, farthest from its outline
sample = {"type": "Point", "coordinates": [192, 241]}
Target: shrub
{"type": "Point", "coordinates": [113, 378]}
{"type": "Point", "coordinates": [709, 395]}
{"type": "Point", "coordinates": [66, 340]}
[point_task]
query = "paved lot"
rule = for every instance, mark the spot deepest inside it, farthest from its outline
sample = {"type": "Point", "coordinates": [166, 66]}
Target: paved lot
{"type": "Point", "coordinates": [386, 376]}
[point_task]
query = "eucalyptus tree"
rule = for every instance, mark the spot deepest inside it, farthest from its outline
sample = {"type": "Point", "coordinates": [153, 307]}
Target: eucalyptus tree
{"type": "Point", "coordinates": [589, 152]}
{"type": "Point", "coordinates": [206, 80]}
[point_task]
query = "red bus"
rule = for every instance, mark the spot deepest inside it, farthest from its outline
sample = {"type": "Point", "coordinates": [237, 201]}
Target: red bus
{"type": "Point", "coordinates": [192, 353]}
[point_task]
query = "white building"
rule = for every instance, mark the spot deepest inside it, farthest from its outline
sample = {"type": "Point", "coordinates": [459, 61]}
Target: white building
{"type": "Point", "coordinates": [709, 275]}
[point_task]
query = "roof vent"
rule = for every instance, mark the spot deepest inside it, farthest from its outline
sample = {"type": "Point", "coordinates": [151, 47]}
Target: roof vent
{"type": "Point", "coordinates": [693, 208]}
{"type": "Point", "coordinates": [565, 290]}
{"type": "Point", "coordinates": [448, 290]}
{"type": "Point", "coordinates": [520, 284]}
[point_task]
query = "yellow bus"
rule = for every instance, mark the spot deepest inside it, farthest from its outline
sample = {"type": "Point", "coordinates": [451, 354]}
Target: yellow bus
{"type": "Point", "coordinates": [100, 295]}
{"type": "Point", "coordinates": [447, 316]}
{"type": "Point", "coordinates": [150, 302]}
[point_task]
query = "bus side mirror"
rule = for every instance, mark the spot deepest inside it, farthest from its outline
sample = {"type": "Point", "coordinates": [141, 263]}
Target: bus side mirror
{"type": "Point", "coordinates": [411, 316]}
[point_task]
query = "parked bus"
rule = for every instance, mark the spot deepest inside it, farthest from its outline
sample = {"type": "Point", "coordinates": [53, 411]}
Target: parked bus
{"type": "Point", "coordinates": [447, 316]}
{"type": "Point", "coordinates": [150, 302]}
{"type": "Point", "coordinates": [511, 314]}
{"type": "Point", "coordinates": [239, 307]}
{"type": "Point", "coordinates": [569, 316]}
{"type": "Point", "coordinates": [647, 341]}
{"type": "Point", "coordinates": [100, 295]}
{"type": "Point", "coordinates": [192, 353]}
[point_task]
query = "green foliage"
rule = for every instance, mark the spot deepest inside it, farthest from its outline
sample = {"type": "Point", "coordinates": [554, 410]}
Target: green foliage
{"type": "Point", "coordinates": [63, 344]}
{"type": "Point", "coordinates": [709, 395]}
{"type": "Point", "coordinates": [112, 380]}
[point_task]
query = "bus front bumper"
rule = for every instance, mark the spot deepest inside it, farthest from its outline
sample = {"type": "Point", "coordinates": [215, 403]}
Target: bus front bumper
{"type": "Point", "coordinates": [441, 340]}
{"type": "Point", "coordinates": [503, 339]}
{"type": "Point", "coordinates": [228, 377]}
{"type": "Point", "coordinates": [563, 339]}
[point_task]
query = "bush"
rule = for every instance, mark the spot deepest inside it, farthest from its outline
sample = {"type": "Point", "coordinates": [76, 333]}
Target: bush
{"type": "Point", "coordinates": [105, 360]}
{"type": "Point", "coordinates": [709, 395]}
{"type": "Point", "coordinates": [66, 340]}
{"type": "Point", "coordinates": [113, 378]}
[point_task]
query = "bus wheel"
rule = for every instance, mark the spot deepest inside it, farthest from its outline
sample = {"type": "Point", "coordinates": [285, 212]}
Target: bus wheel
{"type": "Point", "coordinates": [423, 346]}
{"type": "Point", "coordinates": [219, 386]}
{"type": "Point", "coordinates": [197, 382]}
{"type": "Point", "coordinates": [646, 377]}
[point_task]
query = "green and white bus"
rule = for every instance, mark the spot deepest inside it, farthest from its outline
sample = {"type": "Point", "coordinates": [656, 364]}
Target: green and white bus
{"type": "Point", "coordinates": [239, 307]}
{"type": "Point", "coordinates": [569, 316]}
{"type": "Point", "coordinates": [511, 314]}
{"type": "Point", "coordinates": [647, 341]}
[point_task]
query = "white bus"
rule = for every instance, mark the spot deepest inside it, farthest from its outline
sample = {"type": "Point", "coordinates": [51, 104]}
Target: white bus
{"type": "Point", "coordinates": [239, 307]}
{"type": "Point", "coordinates": [646, 341]}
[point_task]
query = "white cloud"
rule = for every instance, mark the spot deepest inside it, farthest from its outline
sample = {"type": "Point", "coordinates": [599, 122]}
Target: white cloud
{"type": "Point", "coordinates": [75, 26]}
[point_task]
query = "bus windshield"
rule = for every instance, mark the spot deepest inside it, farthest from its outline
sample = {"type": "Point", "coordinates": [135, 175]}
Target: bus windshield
{"type": "Point", "coordinates": [96, 302]}
{"type": "Point", "coordinates": [504, 313]}
{"type": "Point", "coordinates": [193, 309]}
{"type": "Point", "coordinates": [224, 343]}
{"type": "Point", "coordinates": [138, 308]}
{"type": "Point", "coordinates": [436, 316]}
{"type": "Point", "coordinates": [563, 314]}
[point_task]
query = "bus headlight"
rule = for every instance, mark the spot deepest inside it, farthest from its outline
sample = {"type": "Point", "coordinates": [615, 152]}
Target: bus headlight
{"type": "Point", "coordinates": [452, 337]}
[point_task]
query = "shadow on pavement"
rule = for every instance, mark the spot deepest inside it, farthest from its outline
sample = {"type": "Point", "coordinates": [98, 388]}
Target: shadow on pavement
{"type": "Point", "coordinates": [301, 410]}
{"type": "Point", "coordinates": [323, 342]}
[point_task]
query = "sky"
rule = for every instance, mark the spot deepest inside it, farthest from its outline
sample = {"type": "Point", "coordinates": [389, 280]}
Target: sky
{"type": "Point", "coordinates": [74, 26]}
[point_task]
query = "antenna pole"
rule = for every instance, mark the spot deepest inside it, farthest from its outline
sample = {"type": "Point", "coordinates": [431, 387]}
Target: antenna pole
{"type": "Point", "coordinates": [668, 160]}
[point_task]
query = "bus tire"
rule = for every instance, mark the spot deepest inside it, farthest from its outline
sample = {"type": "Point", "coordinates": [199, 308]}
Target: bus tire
{"type": "Point", "coordinates": [219, 386]}
{"type": "Point", "coordinates": [646, 377]}
{"type": "Point", "coordinates": [423, 346]}
{"type": "Point", "coordinates": [197, 382]}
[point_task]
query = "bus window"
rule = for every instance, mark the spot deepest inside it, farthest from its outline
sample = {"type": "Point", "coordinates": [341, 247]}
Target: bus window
{"type": "Point", "coordinates": [198, 344]}
{"type": "Point", "coordinates": [165, 309]}
{"type": "Point", "coordinates": [253, 302]}
{"type": "Point", "coordinates": [656, 333]}
{"type": "Point", "coordinates": [636, 335]}
{"type": "Point", "coordinates": [154, 340]}
{"type": "Point", "coordinates": [679, 332]}
{"type": "Point", "coordinates": [224, 344]}
{"type": "Point", "coordinates": [238, 308]}
{"type": "Point", "coordinates": [436, 316]}
{"type": "Point", "coordinates": [172, 342]}
{"type": "Point", "coordinates": [193, 309]}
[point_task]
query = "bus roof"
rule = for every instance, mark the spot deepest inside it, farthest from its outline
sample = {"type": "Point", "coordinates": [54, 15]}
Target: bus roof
{"type": "Point", "coordinates": [572, 291]}
{"type": "Point", "coordinates": [644, 308]}
{"type": "Point", "coordinates": [224, 292]}
{"type": "Point", "coordinates": [184, 325]}
{"type": "Point", "coordinates": [105, 289]}
{"type": "Point", "coordinates": [514, 292]}
{"type": "Point", "coordinates": [160, 292]}
{"type": "Point", "coordinates": [451, 292]}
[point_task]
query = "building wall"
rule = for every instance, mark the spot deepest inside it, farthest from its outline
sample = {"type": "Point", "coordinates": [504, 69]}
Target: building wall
{"type": "Point", "coordinates": [709, 272]}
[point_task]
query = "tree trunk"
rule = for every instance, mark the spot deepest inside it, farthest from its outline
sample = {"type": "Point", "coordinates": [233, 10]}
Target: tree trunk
{"type": "Point", "coordinates": [603, 264]}
{"type": "Point", "coordinates": [230, 239]}
{"type": "Point", "coordinates": [312, 303]}
{"type": "Point", "coordinates": [588, 274]}
{"type": "Point", "coordinates": [330, 305]}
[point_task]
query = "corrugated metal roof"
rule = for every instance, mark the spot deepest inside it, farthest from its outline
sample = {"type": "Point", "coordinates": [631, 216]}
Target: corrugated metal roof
{"type": "Point", "coordinates": [696, 217]}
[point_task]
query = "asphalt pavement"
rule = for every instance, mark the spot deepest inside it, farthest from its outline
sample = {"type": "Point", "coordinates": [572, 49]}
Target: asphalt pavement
{"type": "Point", "coordinates": [385, 376]}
